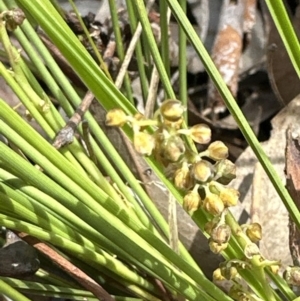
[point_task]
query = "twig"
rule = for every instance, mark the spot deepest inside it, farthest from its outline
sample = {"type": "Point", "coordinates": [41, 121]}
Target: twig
{"type": "Point", "coordinates": [109, 51]}
{"type": "Point", "coordinates": [66, 134]}
{"type": "Point", "coordinates": [130, 50]}
{"type": "Point", "coordinates": [152, 96]}
{"type": "Point", "coordinates": [128, 56]}
{"type": "Point", "coordinates": [69, 268]}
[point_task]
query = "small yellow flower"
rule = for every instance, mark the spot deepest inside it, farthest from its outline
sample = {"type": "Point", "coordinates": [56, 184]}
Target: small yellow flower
{"type": "Point", "coordinates": [254, 232]}
{"type": "Point", "coordinates": [191, 201]}
{"type": "Point", "coordinates": [202, 171]}
{"type": "Point", "coordinates": [182, 178]}
{"type": "Point", "coordinates": [217, 275]}
{"type": "Point", "coordinates": [172, 110]}
{"type": "Point", "coordinates": [225, 171]}
{"type": "Point", "coordinates": [229, 196]}
{"type": "Point", "coordinates": [217, 248]}
{"type": "Point", "coordinates": [200, 133]}
{"type": "Point", "coordinates": [251, 250]}
{"type": "Point", "coordinates": [213, 204]}
{"type": "Point", "coordinates": [217, 151]}
{"type": "Point", "coordinates": [229, 272]}
{"type": "Point", "coordinates": [143, 143]}
{"type": "Point", "coordinates": [115, 117]}
{"type": "Point", "coordinates": [173, 149]}
{"type": "Point", "coordinates": [221, 234]}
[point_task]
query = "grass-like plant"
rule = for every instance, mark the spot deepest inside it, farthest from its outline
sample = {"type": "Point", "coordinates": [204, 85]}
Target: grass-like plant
{"type": "Point", "coordinates": [61, 196]}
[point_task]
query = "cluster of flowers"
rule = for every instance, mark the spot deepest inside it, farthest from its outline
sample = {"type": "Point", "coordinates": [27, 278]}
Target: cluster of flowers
{"type": "Point", "coordinates": [201, 176]}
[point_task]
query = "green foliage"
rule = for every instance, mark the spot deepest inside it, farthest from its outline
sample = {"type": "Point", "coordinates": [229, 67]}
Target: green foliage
{"type": "Point", "coordinates": [62, 198]}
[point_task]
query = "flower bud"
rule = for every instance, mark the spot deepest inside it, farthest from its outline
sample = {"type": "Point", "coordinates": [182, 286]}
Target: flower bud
{"type": "Point", "coordinates": [115, 117]}
{"type": "Point", "coordinates": [251, 250]}
{"type": "Point", "coordinates": [174, 148]}
{"type": "Point", "coordinates": [143, 143]}
{"type": "Point", "coordinates": [229, 272]}
{"type": "Point", "coordinates": [202, 171]}
{"type": "Point", "coordinates": [13, 18]}
{"type": "Point", "coordinates": [292, 275]}
{"type": "Point", "coordinates": [216, 248]}
{"type": "Point", "coordinates": [182, 178]}
{"type": "Point", "coordinates": [225, 171]}
{"type": "Point", "coordinates": [191, 201]}
{"type": "Point", "coordinates": [229, 196]}
{"type": "Point", "coordinates": [254, 232]}
{"type": "Point", "coordinates": [217, 275]}
{"type": "Point", "coordinates": [172, 110]}
{"type": "Point", "coordinates": [221, 234]}
{"type": "Point", "coordinates": [217, 151]}
{"type": "Point", "coordinates": [200, 133]}
{"type": "Point", "coordinates": [215, 187]}
{"type": "Point", "coordinates": [213, 204]}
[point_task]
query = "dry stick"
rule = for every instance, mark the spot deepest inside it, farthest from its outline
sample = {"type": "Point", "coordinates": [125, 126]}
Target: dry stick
{"type": "Point", "coordinates": [128, 56]}
{"type": "Point", "coordinates": [69, 268]}
{"type": "Point", "coordinates": [109, 51]}
{"type": "Point", "coordinates": [161, 95]}
{"type": "Point", "coordinates": [66, 134]}
{"type": "Point", "coordinates": [152, 96]}
{"type": "Point", "coordinates": [130, 50]}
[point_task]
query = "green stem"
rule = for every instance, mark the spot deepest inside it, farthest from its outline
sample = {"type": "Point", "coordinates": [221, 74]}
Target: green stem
{"type": "Point", "coordinates": [11, 292]}
{"type": "Point", "coordinates": [119, 44]}
{"type": "Point", "coordinates": [138, 51]}
{"type": "Point", "coordinates": [263, 280]}
{"type": "Point", "coordinates": [164, 31]}
{"type": "Point", "coordinates": [286, 31]}
{"type": "Point", "coordinates": [183, 64]}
